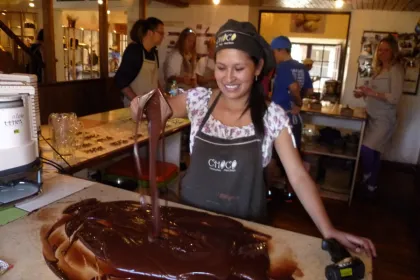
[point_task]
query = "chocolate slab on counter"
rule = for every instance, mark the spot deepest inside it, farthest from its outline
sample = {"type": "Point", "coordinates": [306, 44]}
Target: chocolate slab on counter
{"type": "Point", "coordinates": [110, 240]}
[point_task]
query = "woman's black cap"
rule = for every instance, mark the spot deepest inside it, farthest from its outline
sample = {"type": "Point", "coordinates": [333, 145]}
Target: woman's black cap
{"type": "Point", "coordinates": [243, 36]}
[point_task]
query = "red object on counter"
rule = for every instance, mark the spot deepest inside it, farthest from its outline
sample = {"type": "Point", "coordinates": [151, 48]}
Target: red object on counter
{"type": "Point", "coordinates": [126, 168]}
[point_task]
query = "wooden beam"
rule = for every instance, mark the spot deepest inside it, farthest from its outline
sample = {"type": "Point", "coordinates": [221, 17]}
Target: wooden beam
{"type": "Point", "coordinates": [400, 5]}
{"type": "Point", "coordinates": [103, 39]}
{"type": "Point", "coordinates": [143, 9]}
{"type": "Point", "coordinates": [414, 6]}
{"type": "Point", "coordinates": [50, 74]}
{"type": "Point", "coordinates": [404, 8]}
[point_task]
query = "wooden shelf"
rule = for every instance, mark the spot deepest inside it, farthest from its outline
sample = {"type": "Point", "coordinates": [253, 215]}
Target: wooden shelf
{"type": "Point", "coordinates": [318, 149]}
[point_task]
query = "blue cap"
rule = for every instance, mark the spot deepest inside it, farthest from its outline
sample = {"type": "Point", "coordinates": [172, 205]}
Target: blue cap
{"type": "Point", "coordinates": [281, 42]}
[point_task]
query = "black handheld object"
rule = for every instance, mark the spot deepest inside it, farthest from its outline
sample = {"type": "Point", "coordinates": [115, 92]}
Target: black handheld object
{"type": "Point", "coordinates": [345, 266]}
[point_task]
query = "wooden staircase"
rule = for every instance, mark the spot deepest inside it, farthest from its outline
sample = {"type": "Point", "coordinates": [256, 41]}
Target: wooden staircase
{"type": "Point", "coordinates": [14, 54]}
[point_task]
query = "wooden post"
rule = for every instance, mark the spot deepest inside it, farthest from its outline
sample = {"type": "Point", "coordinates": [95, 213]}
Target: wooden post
{"type": "Point", "coordinates": [50, 74]}
{"type": "Point", "coordinates": [143, 8]}
{"type": "Point", "coordinates": [103, 39]}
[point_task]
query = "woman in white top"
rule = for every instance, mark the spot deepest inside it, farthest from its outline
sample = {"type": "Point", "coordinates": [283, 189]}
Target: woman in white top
{"type": "Point", "coordinates": [382, 97]}
{"type": "Point", "coordinates": [233, 131]}
{"type": "Point", "coordinates": [180, 63]}
{"type": "Point", "coordinates": [205, 67]}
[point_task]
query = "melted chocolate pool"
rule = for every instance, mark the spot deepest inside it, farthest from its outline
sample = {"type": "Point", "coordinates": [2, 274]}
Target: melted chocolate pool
{"type": "Point", "coordinates": [109, 240]}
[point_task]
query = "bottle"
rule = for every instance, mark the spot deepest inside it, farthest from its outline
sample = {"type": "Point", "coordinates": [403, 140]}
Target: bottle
{"type": "Point", "coordinates": [173, 91]}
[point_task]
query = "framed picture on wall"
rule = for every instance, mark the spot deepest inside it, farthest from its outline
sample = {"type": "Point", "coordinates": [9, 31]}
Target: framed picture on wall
{"type": "Point", "coordinates": [307, 23]}
{"type": "Point", "coordinates": [409, 46]}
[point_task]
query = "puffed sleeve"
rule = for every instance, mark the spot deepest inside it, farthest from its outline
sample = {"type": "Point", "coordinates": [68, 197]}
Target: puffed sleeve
{"type": "Point", "coordinates": [197, 103]}
{"type": "Point", "coordinates": [277, 120]}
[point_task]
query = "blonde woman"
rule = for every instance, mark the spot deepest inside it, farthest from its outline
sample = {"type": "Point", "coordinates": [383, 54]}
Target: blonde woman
{"type": "Point", "coordinates": [180, 63]}
{"type": "Point", "coordinates": [205, 66]}
{"type": "Point", "coordinates": [382, 96]}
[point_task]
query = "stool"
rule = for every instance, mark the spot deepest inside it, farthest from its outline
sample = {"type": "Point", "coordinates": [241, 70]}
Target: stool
{"type": "Point", "coordinates": [125, 170]}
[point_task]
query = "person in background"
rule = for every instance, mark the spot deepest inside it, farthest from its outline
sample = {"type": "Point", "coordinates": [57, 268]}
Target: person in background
{"type": "Point", "coordinates": [138, 72]}
{"type": "Point", "coordinates": [36, 66]}
{"type": "Point", "coordinates": [308, 64]}
{"type": "Point", "coordinates": [233, 131]}
{"type": "Point", "coordinates": [205, 67]}
{"type": "Point", "coordinates": [114, 60]}
{"type": "Point", "coordinates": [382, 96]}
{"type": "Point", "coordinates": [180, 63]}
{"type": "Point", "coordinates": [291, 84]}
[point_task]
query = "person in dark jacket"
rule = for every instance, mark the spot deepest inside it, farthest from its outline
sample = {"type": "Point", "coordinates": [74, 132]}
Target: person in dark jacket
{"type": "Point", "coordinates": [36, 66]}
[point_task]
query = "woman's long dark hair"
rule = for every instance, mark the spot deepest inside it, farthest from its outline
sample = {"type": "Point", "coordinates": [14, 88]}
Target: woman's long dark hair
{"type": "Point", "coordinates": [256, 103]}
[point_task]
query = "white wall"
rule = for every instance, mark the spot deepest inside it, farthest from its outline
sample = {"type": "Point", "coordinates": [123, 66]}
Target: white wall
{"type": "Point", "coordinates": [406, 141]}
{"type": "Point", "coordinates": [209, 16]}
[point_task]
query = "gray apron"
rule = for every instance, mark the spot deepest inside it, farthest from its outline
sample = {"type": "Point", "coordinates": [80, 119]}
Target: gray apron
{"type": "Point", "coordinates": [382, 116]}
{"type": "Point", "coordinates": [226, 175]}
{"type": "Point", "coordinates": [146, 80]}
{"type": "Point", "coordinates": [208, 72]}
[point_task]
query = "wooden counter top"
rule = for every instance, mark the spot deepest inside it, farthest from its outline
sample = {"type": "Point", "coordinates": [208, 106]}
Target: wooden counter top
{"type": "Point", "coordinates": [117, 125]}
{"type": "Point", "coordinates": [21, 246]}
{"type": "Point", "coordinates": [334, 111]}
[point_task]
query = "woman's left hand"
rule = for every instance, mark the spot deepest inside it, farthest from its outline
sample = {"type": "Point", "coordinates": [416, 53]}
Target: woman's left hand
{"type": "Point", "coordinates": [354, 243]}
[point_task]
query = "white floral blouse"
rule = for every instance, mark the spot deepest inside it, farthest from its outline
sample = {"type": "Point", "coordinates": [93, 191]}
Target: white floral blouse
{"type": "Point", "coordinates": [275, 120]}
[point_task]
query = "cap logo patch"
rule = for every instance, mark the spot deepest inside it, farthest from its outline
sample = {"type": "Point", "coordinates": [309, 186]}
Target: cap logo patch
{"type": "Point", "coordinates": [226, 39]}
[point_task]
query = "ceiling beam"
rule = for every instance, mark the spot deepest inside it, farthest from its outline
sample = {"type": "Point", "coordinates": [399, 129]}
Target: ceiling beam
{"type": "Point", "coordinates": [400, 5]}
{"type": "Point", "coordinates": [384, 5]}
{"type": "Point", "coordinates": [404, 8]}
{"type": "Point", "coordinates": [374, 4]}
{"type": "Point", "coordinates": [176, 3]}
{"type": "Point", "coordinates": [416, 7]}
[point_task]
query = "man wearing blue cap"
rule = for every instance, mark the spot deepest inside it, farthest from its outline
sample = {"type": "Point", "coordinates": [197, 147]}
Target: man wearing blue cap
{"type": "Point", "coordinates": [291, 81]}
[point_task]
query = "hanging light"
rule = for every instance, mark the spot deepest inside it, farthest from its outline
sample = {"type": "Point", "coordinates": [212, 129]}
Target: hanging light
{"type": "Point", "coordinates": [108, 12]}
{"type": "Point", "coordinates": [339, 4]}
{"type": "Point", "coordinates": [100, 2]}
{"type": "Point", "coordinates": [31, 4]}
{"type": "Point", "coordinates": [216, 2]}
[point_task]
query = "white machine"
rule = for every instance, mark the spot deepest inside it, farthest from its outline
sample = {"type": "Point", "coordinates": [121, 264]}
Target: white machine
{"type": "Point", "coordinates": [20, 166]}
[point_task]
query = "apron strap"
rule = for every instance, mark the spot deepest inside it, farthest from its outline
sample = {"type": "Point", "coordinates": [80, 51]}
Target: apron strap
{"type": "Point", "coordinates": [209, 111]}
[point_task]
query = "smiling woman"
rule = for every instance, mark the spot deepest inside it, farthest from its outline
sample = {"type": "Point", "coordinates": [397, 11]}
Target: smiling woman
{"type": "Point", "coordinates": [233, 131]}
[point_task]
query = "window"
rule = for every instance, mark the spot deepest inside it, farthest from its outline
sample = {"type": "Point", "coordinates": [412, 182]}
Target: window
{"type": "Point", "coordinates": [326, 61]}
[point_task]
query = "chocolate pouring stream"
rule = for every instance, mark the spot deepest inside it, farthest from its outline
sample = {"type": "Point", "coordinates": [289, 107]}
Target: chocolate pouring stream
{"type": "Point", "coordinates": [157, 111]}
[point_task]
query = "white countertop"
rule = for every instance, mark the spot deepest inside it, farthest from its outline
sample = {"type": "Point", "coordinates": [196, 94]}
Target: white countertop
{"type": "Point", "coordinates": [20, 243]}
